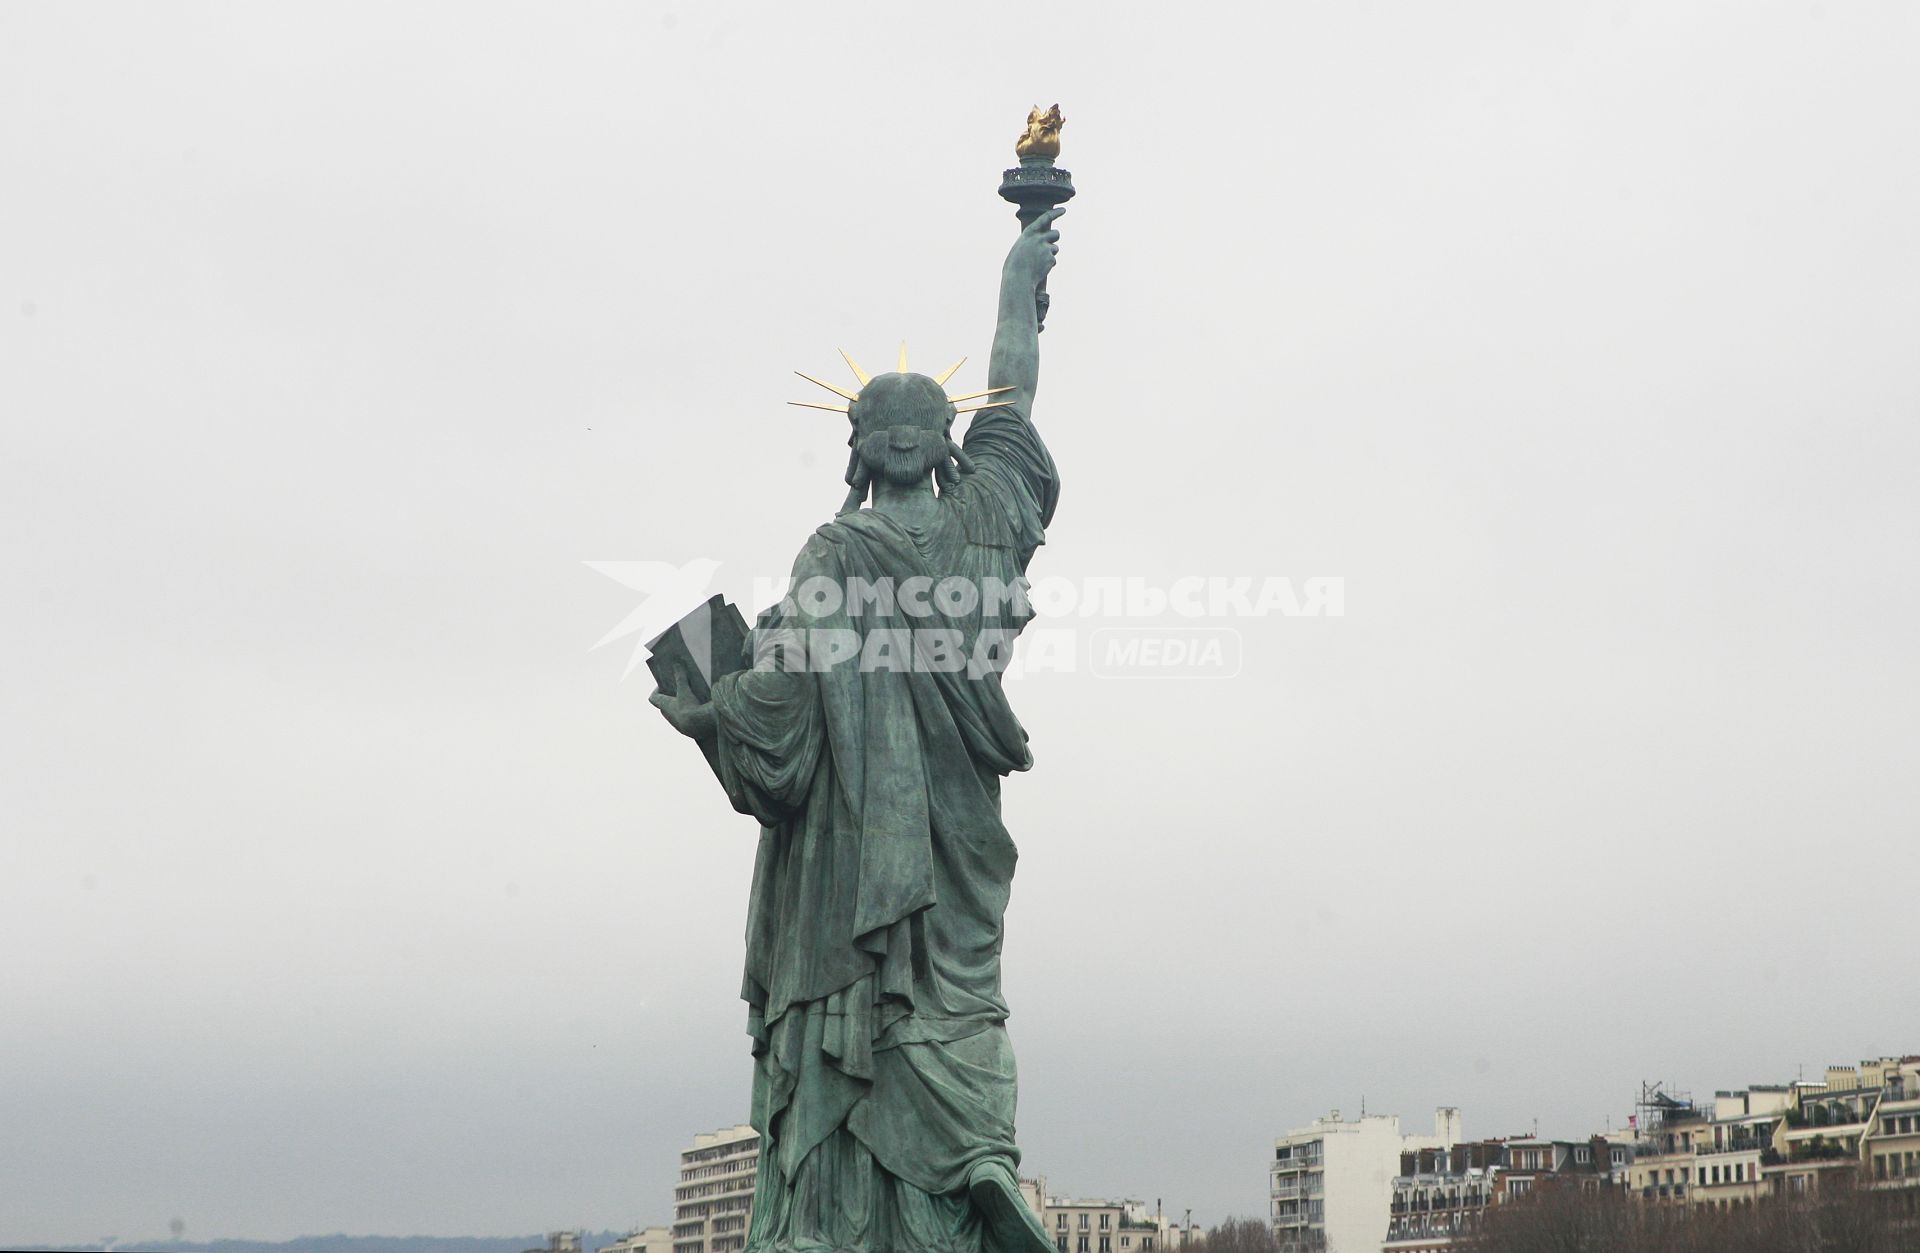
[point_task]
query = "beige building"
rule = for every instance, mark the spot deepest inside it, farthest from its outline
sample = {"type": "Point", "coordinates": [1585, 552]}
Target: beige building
{"type": "Point", "coordinates": [1893, 1142]}
{"type": "Point", "coordinates": [1863, 1120]}
{"type": "Point", "coordinates": [644, 1240]}
{"type": "Point", "coordinates": [1730, 1158]}
{"type": "Point", "coordinates": [713, 1203]}
{"type": "Point", "coordinates": [1859, 1122]}
{"type": "Point", "coordinates": [1099, 1226]}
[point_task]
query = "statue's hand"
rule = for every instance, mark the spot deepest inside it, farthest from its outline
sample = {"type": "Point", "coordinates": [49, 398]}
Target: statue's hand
{"type": "Point", "coordinates": [1034, 251]}
{"type": "Point", "coordinates": [690, 717]}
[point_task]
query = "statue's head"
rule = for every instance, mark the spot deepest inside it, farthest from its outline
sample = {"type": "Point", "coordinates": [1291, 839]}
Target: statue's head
{"type": "Point", "coordinates": [902, 427]}
{"type": "Point", "coordinates": [901, 424]}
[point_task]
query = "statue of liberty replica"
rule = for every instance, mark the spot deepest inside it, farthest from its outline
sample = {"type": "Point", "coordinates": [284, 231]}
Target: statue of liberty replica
{"type": "Point", "coordinates": [866, 728]}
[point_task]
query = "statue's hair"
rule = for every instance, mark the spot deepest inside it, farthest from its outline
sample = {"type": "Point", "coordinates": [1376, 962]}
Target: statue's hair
{"type": "Point", "coordinates": [901, 399]}
{"type": "Point", "coordinates": [859, 478]}
{"type": "Point", "coordinates": [947, 475]}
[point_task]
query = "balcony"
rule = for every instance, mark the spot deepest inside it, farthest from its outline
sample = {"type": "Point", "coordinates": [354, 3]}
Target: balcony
{"type": "Point", "coordinates": [1824, 1118]}
{"type": "Point", "coordinates": [1819, 1149]}
{"type": "Point", "coordinates": [1732, 1146]}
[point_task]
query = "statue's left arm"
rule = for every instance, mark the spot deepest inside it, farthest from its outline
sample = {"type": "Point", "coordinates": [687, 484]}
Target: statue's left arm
{"type": "Point", "coordinates": [764, 721]}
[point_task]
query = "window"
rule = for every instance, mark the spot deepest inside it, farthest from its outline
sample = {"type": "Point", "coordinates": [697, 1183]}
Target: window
{"type": "Point", "coordinates": [1106, 1221]}
{"type": "Point", "coordinates": [1106, 1244]}
{"type": "Point", "coordinates": [1060, 1221]}
{"type": "Point", "coordinates": [1083, 1222]}
{"type": "Point", "coordinates": [1081, 1245]}
{"type": "Point", "coordinates": [1060, 1243]}
{"type": "Point", "coordinates": [1583, 1155]}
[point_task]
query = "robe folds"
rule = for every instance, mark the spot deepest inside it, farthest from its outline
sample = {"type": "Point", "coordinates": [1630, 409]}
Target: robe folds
{"type": "Point", "coordinates": [882, 1069]}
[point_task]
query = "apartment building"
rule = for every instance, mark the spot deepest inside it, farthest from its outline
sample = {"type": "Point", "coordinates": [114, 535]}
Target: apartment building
{"type": "Point", "coordinates": [1858, 1123]}
{"type": "Point", "coordinates": [1442, 1195]}
{"type": "Point", "coordinates": [643, 1240]}
{"type": "Point", "coordinates": [1862, 1122]}
{"type": "Point", "coordinates": [713, 1204]}
{"type": "Point", "coordinates": [1669, 1125]}
{"type": "Point", "coordinates": [1732, 1152]}
{"type": "Point", "coordinates": [1101, 1226]}
{"type": "Point", "coordinates": [1331, 1184]}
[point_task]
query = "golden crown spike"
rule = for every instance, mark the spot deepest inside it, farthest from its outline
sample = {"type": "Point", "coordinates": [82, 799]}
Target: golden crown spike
{"type": "Point", "coordinates": [864, 378]}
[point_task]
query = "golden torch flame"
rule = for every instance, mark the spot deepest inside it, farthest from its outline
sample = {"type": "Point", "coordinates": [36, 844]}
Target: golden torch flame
{"type": "Point", "coordinates": [1042, 136]}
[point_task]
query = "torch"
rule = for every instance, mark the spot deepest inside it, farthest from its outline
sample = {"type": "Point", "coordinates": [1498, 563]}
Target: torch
{"type": "Point", "coordinates": [1037, 184]}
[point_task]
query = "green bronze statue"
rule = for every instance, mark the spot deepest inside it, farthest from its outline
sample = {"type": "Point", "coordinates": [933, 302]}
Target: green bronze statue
{"type": "Point", "coordinates": [884, 1082]}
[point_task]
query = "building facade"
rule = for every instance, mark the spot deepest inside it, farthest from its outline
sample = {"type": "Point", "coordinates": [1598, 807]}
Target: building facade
{"type": "Point", "coordinates": [713, 1203]}
{"type": "Point", "coordinates": [1442, 1196]}
{"type": "Point", "coordinates": [1102, 1226]}
{"type": "Point", "coordinates": [1859, 1126]}
{"type": "Point", "coordinates": [1331, 1184]}
{"type": "Point", "coordinates": [643, 1240]}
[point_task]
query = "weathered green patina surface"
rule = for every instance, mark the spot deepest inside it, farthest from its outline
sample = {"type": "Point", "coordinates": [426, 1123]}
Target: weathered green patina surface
{"type": "Point", "coordinates": [884, 1082]}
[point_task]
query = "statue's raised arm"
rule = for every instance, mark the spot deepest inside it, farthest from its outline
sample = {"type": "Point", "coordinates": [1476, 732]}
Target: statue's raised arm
{"type": "Point", "coordinates": [1016, 339]}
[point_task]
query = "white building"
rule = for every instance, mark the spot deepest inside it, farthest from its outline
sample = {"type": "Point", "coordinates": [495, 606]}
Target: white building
{"type": "Point", "coordinates": [714, 1201]}
{"type": "Point", "coordinates": [1332, 1183]}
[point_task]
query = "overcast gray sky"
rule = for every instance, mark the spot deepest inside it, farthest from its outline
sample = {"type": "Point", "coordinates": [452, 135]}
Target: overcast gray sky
{"type": "Point", "coordinates": [343, 887]}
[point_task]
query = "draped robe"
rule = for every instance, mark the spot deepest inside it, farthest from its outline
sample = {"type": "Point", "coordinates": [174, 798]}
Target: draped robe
{"type": "Point", "coordinates": [882, 1070]}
